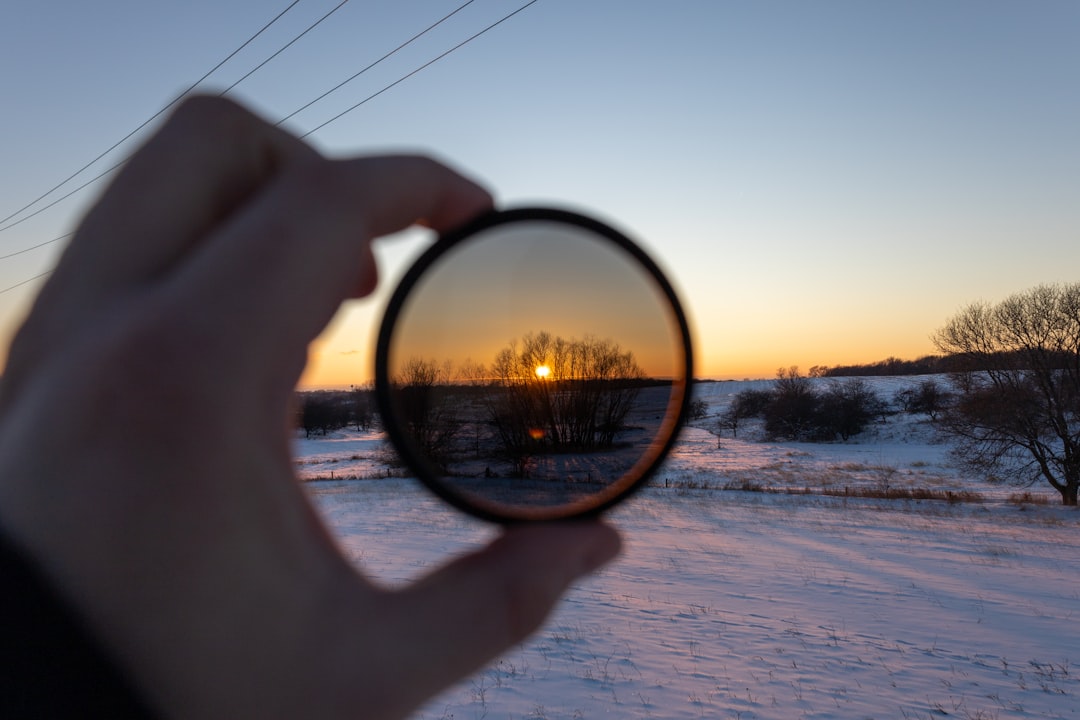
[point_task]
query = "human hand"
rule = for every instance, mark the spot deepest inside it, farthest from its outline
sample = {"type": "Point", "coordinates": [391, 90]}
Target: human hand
{"type": "Point", "coordinates": [144, 437]}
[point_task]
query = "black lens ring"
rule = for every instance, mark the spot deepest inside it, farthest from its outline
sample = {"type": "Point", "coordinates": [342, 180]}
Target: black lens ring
{"type": "Point", "coordinates": [406, 447]}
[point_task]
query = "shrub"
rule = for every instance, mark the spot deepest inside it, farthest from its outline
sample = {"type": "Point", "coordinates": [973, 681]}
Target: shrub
{"type": "Point", "coordinates": [926, 397]}
{"type": "Point", "coordinates": [796, 411]}
{"type": "Point", "coordinates": [792, 413]}
{"type": "Point", "coordinates": [749, 403]}
{"type": "Point", "coordinates": [322, 412]}
{"type": "Point", "coordinates": [846, 408]}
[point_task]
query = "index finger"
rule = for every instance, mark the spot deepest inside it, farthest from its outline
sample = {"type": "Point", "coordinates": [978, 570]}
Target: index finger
{"type": "Point", "coordinates": [210, 156]}
{"type": "Point", "coordinates": [230, 221]}
{"type": "Point", "coordinates": [302, 245]}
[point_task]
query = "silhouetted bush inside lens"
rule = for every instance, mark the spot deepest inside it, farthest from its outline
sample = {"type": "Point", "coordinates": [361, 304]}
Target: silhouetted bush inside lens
{"type": "Point", "coordinates": [541, 395]}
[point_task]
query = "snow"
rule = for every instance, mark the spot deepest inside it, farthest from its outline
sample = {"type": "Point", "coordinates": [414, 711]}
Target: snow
{"type": "Point", "coordinates": [734, 604]}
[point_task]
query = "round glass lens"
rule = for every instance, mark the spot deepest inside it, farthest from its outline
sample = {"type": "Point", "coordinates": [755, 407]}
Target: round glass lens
{"type": "Point", "coordinates": [533, 366]}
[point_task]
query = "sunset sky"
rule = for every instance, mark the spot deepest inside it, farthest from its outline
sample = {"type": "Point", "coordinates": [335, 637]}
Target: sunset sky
{"type": "Point", "coordinates": [516, 280]}
{"type": "Point", "coordinates": [825, 182]}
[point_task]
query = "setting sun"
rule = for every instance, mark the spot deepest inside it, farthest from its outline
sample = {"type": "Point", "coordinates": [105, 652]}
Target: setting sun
{"type": "Point", "coordinates": [543, 371]}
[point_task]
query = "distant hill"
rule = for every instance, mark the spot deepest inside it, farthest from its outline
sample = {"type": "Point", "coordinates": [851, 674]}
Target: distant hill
{"type": "Point", "coordinates": [926, 365]}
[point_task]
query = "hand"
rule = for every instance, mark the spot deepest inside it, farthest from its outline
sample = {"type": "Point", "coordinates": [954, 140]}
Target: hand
{"type": "Point", "coordinates": [144, 437]}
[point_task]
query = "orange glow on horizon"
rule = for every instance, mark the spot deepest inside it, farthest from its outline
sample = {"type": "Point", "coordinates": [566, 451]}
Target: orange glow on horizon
{"type": "Point", "coordinates": [733, 350]}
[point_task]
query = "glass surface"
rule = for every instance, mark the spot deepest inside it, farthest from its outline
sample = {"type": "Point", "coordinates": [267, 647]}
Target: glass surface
{"type": "Point", "coordinates": [534, 369]}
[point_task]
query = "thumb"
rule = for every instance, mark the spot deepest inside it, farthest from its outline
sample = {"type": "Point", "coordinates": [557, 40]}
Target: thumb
{"type": "Point", "coordinates": [463, 615]}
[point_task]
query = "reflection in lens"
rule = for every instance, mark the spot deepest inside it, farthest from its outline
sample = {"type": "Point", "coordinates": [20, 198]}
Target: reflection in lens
{"type": "Point", "coordinates": [535, 370]}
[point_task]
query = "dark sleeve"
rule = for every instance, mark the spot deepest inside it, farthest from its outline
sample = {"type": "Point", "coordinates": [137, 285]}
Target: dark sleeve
{"type": "Point", "coordinates": [50, 667]}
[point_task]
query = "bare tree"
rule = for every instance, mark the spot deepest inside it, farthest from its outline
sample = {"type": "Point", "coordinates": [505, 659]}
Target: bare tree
{"type": "Point", "coordinates": [697, 410]}
{"type": "Point", "coordinates": [427, 406]}
{"type": "Point", "coordinates": [926, 397]}
{"type": "Point", "coordinates": [847, 407]}
{"type": "Point", "coordinates": [792, 414]}
{"type": "Point", "coordinates": [557, 395]}
{"type": "Point", "coordinates": [748, 403]}
{"type": "Point", "coordinates": [322, 412]}
{"type": "Point", "coordinates": [1017, 410]}
{"type": "Point", "coordinates": [361, 408]}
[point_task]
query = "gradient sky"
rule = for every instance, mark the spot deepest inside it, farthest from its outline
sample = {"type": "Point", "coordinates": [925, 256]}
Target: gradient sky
{"type": "Point", "coordinates": [521, 279]}
{"type": "Point", "coordinates": [826, 182]}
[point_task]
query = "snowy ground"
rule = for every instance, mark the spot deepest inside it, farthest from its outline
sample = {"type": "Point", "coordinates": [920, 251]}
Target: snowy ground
{"type": "Point", "coordinates": [733, 604]}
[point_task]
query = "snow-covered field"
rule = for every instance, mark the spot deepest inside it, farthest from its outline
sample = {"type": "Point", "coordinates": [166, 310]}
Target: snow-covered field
{"type": "Point", "coordinates": [735, 604]}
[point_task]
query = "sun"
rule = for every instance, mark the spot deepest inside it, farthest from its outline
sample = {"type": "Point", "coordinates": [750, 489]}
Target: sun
{"type": "Point", "coordinates": [543, 371]}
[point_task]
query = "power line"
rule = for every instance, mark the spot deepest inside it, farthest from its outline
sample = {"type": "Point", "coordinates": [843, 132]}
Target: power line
{"type": "Point", "coordinates": [348, 80]}
{"type": "Point", "coordinates": [24, 282]}
{"type": "Point", "coordinates": [264, 62]}
{"type": "Point", "coordinates": [159, 112]}
{"type": "Point", "coordinates": [225, 91]}
{"type": "Point", "coordinates": [283, 48]}
{"type": "Point", "coordinates": [35, 247]}
{"type": "Point", "coordinates": [146, 122]}
{"type": "Point", "coordinates": [422, 67]}
{"type": "Point", "coordinates": [279, 122]}
{"type": "Point", "coordinates": [156, 115]}
{"type": "Point", "coordinates": [63, 197]}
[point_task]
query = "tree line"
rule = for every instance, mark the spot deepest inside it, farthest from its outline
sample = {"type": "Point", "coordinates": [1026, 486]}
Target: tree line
{"type": "Point", "coordinates": [1010, 406]}
{"type": "Point", "coordinates": [925, 365]}
{"type": "Point", "coordinates": [889, 367]}
{"type": "Point", "coordinates": [1008, 398]}
{"type": "Point", "coordinates": [796, 408]}
{"type": "Point", "coordinates": [541, 394]}
{"type": "Point", "coordinates": [320, 412]}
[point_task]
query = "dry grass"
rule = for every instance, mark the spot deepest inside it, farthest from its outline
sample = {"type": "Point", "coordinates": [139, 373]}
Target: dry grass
{"type": "Point", "coordinates": [378, 475]}
{"type": "Point", "coordinates": [878, 492]}
{"type": "Point", "coordinates": [1028, 498]}
{"type": "Point", "coordinates": [891, 493]}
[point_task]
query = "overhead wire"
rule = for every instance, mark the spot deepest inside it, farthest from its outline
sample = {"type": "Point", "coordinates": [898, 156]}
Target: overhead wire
{"type": "Point", "coordinates": [63, 197]}
{"type": "Point", "coordinates": [142, 125]}
{"type": "Point", "coordinates": [352, 77]}
{"type": "Point", "coordinates": [27, 280]}
{"type": "Point", "coordinates": [429, 63]}
{"type": "Point", "coordinates": [264, 62]}
{"type": "Point", "coordinates": [223, 92]}
{"type": "Point", "coordinates": [35, 247]}
{"type": "Point", "coordinates": [283, 48]}
{"type": "Point", "coordinates": [116, 166]}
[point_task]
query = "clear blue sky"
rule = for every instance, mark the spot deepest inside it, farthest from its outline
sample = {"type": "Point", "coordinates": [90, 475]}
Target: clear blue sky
{"type": "Point", "coordinates": [827, 182]}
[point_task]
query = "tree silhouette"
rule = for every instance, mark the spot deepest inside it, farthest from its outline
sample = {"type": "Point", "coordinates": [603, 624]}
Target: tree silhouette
{"type": "Point", "coordinates": [793, 412]}
{"type": "Point", "coordinates": [847, 407]}
{"type": "Point", "coordinates": [747, 403]}
{"type": "Point", "coordinates": [926, 397]}
{"type": "Point", "coordinates": [322, 413]}
{"type": "Point", "coordinates": [427, 406]}
{"type": "Point", "coordinates": [550, 394]}
{"type": "Point", "coordinates": [1017, 410]}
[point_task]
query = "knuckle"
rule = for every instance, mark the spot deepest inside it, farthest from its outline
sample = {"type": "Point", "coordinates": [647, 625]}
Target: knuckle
{"type": "Point", "coordinates": [210, 111]}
